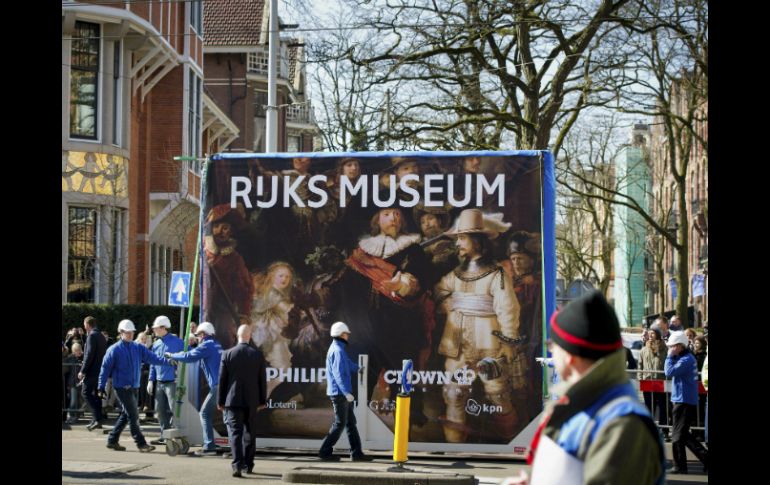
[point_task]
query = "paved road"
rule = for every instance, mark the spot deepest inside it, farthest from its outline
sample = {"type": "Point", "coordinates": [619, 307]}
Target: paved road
{"type": "Point", "coordinates": [85, 459]}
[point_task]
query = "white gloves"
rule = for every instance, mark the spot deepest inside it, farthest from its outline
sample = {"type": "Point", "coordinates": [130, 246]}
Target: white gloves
{"type": "Point", "coordinates": [149, 387]}
{"type": "Point", "coordinates": [349, 397]}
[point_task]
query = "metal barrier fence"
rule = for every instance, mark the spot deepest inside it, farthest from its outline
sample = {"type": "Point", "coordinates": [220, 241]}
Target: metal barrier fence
{"type": "Point", "coordinates": [659, 398]}
{"type": "Point", "coordinates": [76, 406]}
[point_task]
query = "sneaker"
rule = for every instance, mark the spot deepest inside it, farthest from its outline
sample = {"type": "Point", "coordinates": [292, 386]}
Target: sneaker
{"type": "Point", "coordinates": [329, 458]}
{"type": "Point", "coordinates": [206, 453]}
{"type": "Point", "coordinates": [94, 425]}
{"type": "Point", "coordinates": [237, 473]}
{"type": "Point", "coordinates": [145, 448]}
{"type": "Point", "coordinates": [362, 458]}
{"type": "Point", "coordinates": [159, 441]}
{"type": "Point", "coordinates": [248, 470]}
{"type": "Point", "coordinates": [116, 446]}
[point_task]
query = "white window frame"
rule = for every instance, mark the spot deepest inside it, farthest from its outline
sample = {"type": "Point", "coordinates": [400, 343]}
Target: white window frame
{"type": "Point", "coordinates": [194, 122]}
{"type": "Point", "coordinates": [196, 16]}
{"type": "Point", "coordinates": [97, 246]}
{"type": "Point", "coordinates": [117, 94]}
{"type": "Point", "coordinates": [99, 88]}
{"type": "Point", "coordinates": [296, 136]}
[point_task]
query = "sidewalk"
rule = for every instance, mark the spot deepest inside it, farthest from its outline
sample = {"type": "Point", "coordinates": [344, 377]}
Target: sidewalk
{"type": "Point", "coordinates": [85, 459]}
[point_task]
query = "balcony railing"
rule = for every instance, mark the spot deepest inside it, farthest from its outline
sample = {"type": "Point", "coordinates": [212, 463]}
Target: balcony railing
{"type": "Point", "coordinates": [258, 63]}
{"type": "Point", "coordinates": [300, 114]}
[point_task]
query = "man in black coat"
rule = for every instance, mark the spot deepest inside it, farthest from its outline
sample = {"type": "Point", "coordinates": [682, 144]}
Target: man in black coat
{"type": "Point", "coordinates": [383, 293]}
{"type": "Point", "coordinates": [242, 386]}
{"type": "Point", "coordinates": [93, 354]}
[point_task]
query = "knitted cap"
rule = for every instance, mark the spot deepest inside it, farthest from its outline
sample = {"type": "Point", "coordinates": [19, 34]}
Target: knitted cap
{"type": "Point", "coordinates": [587, 327]}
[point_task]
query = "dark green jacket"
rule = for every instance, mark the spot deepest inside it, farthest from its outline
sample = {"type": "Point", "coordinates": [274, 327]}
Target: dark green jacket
{"type": "Point", "coordinates": [624, 451]}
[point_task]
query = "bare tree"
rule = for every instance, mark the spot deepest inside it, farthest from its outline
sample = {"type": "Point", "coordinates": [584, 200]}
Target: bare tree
{"type": "Point", "coordinates": [585, 163]}
{"type": "Point", "coordinates": [468, 74]}
{"type": "Point", "coordinates": [353, 112]}
{"type": "Point", "coordinates": [670, 71]}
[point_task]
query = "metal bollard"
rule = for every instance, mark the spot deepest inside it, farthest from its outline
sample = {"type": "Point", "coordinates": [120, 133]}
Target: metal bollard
{"type": "Point", "coordinates": [401, 437]}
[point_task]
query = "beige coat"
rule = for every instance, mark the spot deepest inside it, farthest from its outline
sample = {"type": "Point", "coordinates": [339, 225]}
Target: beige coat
{"type": "Point", "coordinates": [652, 359]}
{"type": "Point", "coordinates": [469, 333]}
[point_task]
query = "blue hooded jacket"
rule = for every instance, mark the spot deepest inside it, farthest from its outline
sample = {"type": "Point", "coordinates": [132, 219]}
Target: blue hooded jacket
{"type": "Point", "coordinates": [167, 343]}
{"type": "Point", "coordinates": [123, 362]}
{"type": "Point", "coordinates": [684, 372]}
{"type": "Point", "coordinates": [209, 352]}
{"type": "Point", "coordinates": [339, 369]}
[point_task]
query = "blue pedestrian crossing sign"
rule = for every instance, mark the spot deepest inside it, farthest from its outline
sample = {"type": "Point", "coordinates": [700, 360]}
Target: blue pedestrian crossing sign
{"type": "Point", "coordinates": [180, 289]}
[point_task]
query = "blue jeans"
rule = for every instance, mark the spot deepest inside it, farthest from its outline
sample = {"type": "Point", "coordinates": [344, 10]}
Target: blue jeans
{"type": "Point", "coordinates": [208, 408]}
{"type": "Point", "coordinates": [129, 414]}
{"type": "Point", "coordinates": [74, 401]}
{"type": "Point", "coordinates": [165, 393]}
{"type": "Point", "coordinates": [343, 419]}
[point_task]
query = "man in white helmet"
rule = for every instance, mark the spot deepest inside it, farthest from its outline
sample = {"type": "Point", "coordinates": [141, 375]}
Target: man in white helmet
{"type": "Point", "coordinates": [123, 362]}
{"type": "Point", "coordinates": [209, 353]}
{"type": "Point", "coordinates": [165, 390]}
{"type": "Point", "coordinates": [682, 368]}
{"type": "Point", "coordinates": [339, 387]}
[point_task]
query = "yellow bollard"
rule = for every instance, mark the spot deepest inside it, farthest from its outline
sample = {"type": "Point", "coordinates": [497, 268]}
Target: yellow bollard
{"type": "Point", "coordinates": [401, 438]}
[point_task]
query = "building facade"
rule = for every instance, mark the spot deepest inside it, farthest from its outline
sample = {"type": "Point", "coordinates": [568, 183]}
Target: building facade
{"type": "Point", "coordinates": [696, 203]}
{"type": "Point", "coordinates": [236, 59]}
{"type": "Point", "coordinates": [630, 228]}
{"type": "Point", "coordinates": [132, 101]}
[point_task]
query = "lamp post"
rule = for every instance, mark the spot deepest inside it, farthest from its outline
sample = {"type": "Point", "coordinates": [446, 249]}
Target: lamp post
{"type": "Point", "coordinates": [271, 129]}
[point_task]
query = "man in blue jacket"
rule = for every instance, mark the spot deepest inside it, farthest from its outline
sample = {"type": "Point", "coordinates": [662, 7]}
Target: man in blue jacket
{"type": "Point", "coordinates": [123, 363]}
{"type": "Point", "coordinates": [339, 388]}
{"type": "Point", "coordinates": [165, 391]}
{"type": "Point", "coordinates": [93, 354]}
{"type": "Point", "coordinates": [209, 353]}
{"type": "Point", "coordinates": [683, 369]}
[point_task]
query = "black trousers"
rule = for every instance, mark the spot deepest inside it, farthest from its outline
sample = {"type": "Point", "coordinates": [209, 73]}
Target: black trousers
{"type": "Point", "coordinates": [90, 384]}
{"type": "Point", "coordinates": [681, 438]}
{"type": "Point", "coordinates": [239, 434]}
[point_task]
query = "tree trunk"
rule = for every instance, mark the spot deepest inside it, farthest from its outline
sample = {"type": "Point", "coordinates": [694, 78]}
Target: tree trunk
{"type": "Point", "coordinates": [683, 269]}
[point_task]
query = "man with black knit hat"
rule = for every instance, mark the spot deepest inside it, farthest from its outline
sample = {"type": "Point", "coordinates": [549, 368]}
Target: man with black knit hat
{"type": "Point", "coordinates": [598, 431]}
{"type": "Point", "coordinates": [383, 297]}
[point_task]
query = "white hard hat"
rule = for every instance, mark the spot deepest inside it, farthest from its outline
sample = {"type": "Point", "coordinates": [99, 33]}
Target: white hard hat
{"type": "Point", "coordinates": [206, 328]}
{"type": "Point", "coordinates": [677, 338]}
{"type": "Point", "coordinates": [126, 326]}
{"type": "Point", "coordinates": [162, 321]}
{"type": "Point", "coordinates": [339, 328]}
